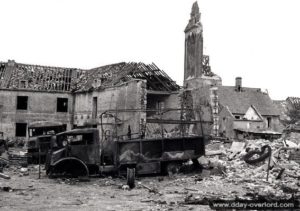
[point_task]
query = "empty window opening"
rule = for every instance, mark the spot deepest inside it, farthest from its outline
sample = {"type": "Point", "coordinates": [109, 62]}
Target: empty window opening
{"type": "Point", "coordinates": [21, 129]}
{"type": "Point", "coordinates": [23, 84]}
{"type": "Point", "coordinates": [159, 107]}
{"type": "Point", "coordinates": [62, 104]}
{"type": "Point", "coordinates": [94, 112]}
{"type": "Point", "coordinates": [22, 102]}
{"type": "Point", "coordinates": [237, 117]}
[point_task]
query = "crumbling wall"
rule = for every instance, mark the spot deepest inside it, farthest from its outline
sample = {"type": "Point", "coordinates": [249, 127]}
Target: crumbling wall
{"type": "Point", "coordinates": [123, 105]}
{"type": "Point", "coordinates": [169, 111]}
{"type": "Point", "coordinates": [276, 125]}
{"type": "Point", "coordinates": [202, 105]}
{"type": "Point", "coordinates": [41, 106]}
{"type": "Point", "coordinates": [226, 120]}
{"type": "Point", "coordinates": [249, 125]}
{"type": "Point", "coordinates": [205, 94]}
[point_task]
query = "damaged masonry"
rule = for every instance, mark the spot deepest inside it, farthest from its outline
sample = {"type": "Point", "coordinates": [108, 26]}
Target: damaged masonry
{"type": "Point", "coordinates": [125, 121]}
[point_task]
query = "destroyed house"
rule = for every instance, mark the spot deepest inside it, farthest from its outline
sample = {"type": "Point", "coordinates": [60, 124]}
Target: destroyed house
{"type": "Point", "coordinates": [293, 103]}
{"type": "Point", "coordinates": [246, 111]}
{"type": "Point", "coordinates": [119, 97]}
{"type": "Point", "coordinates": [289, 112]}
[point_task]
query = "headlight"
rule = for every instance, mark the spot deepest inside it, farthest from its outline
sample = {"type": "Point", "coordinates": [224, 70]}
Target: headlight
{"type": "Point", "coordinates": [64, 143]}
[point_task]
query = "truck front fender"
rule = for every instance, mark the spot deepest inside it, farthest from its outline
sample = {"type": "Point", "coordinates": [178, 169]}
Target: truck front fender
{"type": "Point", "coordinates": [69, 167]}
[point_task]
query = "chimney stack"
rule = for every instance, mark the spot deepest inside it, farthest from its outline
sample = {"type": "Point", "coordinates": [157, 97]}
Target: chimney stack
{"type": "Point", "coordinates": [238, 84]}
{"type": "Point", "coordinates": [11, 63]}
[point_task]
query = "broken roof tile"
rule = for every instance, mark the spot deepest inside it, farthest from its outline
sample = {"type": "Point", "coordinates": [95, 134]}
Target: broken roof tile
{"type": "Point", "coordinates": [44, 78]}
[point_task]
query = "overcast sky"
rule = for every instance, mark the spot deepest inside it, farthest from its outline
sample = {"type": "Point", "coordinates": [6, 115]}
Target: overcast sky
{"type": "Point", "coordinates": [258, 40]}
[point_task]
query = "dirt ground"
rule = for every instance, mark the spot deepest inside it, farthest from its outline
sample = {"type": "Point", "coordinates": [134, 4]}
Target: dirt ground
{"type": "Point", "coordinates": [25, 191]}
{"type": "Point", "coordinates": [30, 193]}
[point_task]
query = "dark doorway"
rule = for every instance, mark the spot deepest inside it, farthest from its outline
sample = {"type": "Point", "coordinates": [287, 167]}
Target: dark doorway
{"type": "Point", "coordinates": [95, 107]}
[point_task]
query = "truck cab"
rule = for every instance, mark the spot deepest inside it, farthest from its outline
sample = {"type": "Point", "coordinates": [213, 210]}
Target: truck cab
{"type": "Point", "coordinates": [74, 153]}
{"type": "Point", "coordinates": [38, 143]}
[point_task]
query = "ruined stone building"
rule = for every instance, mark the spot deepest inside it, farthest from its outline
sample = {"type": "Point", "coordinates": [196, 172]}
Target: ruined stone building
{"type": "Point", "coordinates": [116, 98]}
{"type": "Point", "coordinates": [288, 109]}
{"type": "Point", "coordinates": [129, 97]}
{"type": "Point", "coordinates": [234, 109]}
{"type": "Point", "coordinates": [248, 111]}
{"type": "Point", "coordinates": [123, 95]}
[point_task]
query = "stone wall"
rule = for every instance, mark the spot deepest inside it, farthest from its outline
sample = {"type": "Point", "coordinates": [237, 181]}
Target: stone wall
{"type": "Point", "coordinates": [171, 101]}
{"type": "Point", "coordinates": [226, 120]}
{"type": "Point", "coordinates": [41, 106]}
{"type": "Point", "coordinates": [124, 104]}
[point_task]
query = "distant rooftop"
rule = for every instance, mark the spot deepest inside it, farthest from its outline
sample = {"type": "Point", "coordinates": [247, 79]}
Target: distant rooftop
{"type": "Point", "coordinates": [239, 101]}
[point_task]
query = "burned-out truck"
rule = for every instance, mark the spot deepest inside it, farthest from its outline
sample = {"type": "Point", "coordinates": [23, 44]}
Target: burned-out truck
{"type": "Point", "coordinates": [80, 152]}
{"type": "Point", "coordinates": [38, 143]}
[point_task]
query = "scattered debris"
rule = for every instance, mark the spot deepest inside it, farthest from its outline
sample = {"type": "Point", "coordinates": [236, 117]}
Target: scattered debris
{"type": "Point", "coordinates": [249, 166]}
{"type": "Point", "coordinates": [151, 190]}
{"type": "Point", "coordinates": [4, 176]}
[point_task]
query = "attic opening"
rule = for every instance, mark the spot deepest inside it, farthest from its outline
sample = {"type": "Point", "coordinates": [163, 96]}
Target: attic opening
{"type": "Point", "coordinates": [23, 84]}
{"type": "Point", "coordinates": [22, 102]}
{"type": "Point", "coordinates": [21, 129]}
{"type": "Point", "coordinates": [237, 117]}
{"type": "Point", "coordinates": [62, 104]}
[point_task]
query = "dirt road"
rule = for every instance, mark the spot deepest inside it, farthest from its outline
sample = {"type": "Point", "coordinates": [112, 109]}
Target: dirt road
{"type": "Point", "coordinates": [166, 193]}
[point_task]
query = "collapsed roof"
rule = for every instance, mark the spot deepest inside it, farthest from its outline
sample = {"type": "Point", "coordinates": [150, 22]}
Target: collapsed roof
{"type": "Point", "coordinates": [294, 102]}
{"type": "Point", "coordinates": [44, 78]}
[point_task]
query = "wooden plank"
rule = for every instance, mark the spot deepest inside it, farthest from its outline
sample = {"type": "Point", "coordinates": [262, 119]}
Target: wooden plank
{"type": "Point", "coordinates": [171, 121]}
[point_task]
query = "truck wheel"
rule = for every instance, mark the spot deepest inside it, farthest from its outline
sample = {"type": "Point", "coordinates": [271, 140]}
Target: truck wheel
{"type": "Point", "coordinates": [173, 168]}
{"type": "Point", "coordinates": [131, 177]}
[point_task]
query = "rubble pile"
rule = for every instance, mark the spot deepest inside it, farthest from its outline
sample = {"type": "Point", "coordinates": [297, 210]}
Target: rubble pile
{"type": "Point", "coordinates": [281, 180]}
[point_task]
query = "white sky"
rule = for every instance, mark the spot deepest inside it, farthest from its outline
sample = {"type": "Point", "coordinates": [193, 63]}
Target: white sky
{"type": "Point", "coordinates": [258, 40]}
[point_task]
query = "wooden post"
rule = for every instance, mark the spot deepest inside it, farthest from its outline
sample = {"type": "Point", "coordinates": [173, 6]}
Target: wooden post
{"type": "Point", "coordinates": [161, 125]}
{"type": "Point", "coordinates": [269, 161]}
{"type": "Point", "coordinates": [39, 160]}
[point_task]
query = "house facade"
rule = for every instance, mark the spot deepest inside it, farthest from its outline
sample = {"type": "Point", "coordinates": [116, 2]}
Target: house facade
{"type": "Point", "coordinates": [115, 98]}
{"type": "Point", "coordinates": [133, 99]}
{"type": "Point", "coordinates": [234, 109]}
{"type": "Point", "coordinates": [247, 111]}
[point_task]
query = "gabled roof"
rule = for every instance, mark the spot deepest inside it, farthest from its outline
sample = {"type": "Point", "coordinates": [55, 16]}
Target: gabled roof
{"type": "Point", "coordinates": [44, 78]}
{"type": "Point", "coordinates": [256, 112]}
{"type": "Point", "coordinates": [239, 102]}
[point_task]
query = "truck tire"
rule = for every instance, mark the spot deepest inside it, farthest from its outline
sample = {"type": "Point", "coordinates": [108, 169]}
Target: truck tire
{"type": "Point", "coordinates": [173, 168]}
{"type": "Point", "coordinates": [262, 155]}
{"type": "Point", "coordinates": [69, 167]}
{"type": "Point", "coordinates": [131, 177]}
